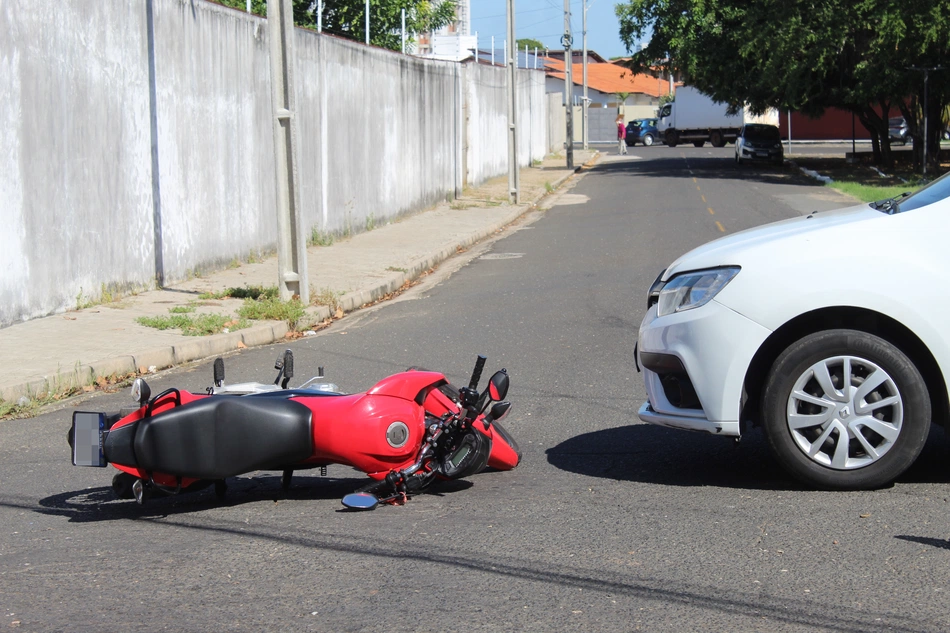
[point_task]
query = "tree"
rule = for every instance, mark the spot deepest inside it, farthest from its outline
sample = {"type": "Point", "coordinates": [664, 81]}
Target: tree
{"type": "Point", "coordinates": [530, 43]}
{"type": "Point", "coordinates": [347, 18]}
{"type": "Point", "coordinates": [623, 102]}
{"type": "Point", "coordinates": [802, 55]}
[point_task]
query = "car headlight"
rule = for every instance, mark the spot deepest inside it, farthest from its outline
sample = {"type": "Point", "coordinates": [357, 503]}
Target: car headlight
{"type": "Point", "coordinates": [693, 289]}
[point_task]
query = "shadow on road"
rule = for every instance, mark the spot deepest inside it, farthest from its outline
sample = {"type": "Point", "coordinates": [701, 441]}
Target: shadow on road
{"type": "Point", "coordinates": [706, 167]}
{"type": "Point", "coordinates": [101, 504]}
{"type": "Point", "coordinates": [657, 455]}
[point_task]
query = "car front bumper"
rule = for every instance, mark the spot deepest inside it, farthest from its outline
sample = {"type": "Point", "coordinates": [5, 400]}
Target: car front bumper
{"type": "Point", "coordinates": [754, 153]}
{"type": "Point", "coordinates": [694, 367]}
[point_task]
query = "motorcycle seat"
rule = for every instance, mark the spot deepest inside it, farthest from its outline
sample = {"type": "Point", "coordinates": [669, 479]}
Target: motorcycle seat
{"type": "Point", "coordinates": [224, 436]}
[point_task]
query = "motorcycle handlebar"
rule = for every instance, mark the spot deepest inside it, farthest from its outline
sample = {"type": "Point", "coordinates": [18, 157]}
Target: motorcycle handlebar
{"type": "Point", "coordinates": [477, 372]}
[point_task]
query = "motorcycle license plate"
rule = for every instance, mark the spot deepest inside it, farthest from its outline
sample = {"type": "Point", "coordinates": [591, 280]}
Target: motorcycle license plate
{"type": "Point", "coordinates": [88, 431]}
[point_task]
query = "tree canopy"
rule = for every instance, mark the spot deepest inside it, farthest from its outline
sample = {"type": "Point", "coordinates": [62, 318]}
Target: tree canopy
{"type": "Point", "coordinates": [804, 55]}
{"type": "Point", "coordinates": [347, 18]}
{"type": "Point", "coordinates": [530, 43]}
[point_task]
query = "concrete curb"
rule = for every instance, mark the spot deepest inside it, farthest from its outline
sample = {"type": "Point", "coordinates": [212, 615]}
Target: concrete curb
{"type": "Point", "coordinates": [263, 333]}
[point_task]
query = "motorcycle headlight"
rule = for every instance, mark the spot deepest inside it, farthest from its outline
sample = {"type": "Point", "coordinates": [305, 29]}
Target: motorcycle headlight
{"type": "Point", "coordinates": [693, 289]}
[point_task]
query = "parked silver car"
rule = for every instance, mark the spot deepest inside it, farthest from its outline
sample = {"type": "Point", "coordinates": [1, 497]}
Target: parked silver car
{"type": "Point", "coordinates": [758, 141]}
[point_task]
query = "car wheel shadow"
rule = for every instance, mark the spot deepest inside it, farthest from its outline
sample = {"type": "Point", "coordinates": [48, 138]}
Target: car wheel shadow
{"type": "Point", "coordinates": [657, 455]}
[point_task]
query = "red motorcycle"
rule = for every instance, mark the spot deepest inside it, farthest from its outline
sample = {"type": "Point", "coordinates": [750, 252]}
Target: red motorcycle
{"type": "Point", "coordinates": [406, 432]}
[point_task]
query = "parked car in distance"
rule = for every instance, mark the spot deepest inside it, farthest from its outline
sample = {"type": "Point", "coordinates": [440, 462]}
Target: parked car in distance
{"type": "Point", "coordinates": [897, 130]}
{"type": "Point", "coordinates": [641, 131]}
{"type": "Point", "coordinates": [759, 141]}
{"type": "Point", "coordinates": [844, 368]}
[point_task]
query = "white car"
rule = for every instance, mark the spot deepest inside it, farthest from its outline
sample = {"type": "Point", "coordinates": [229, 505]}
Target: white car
{"type": "Point", "coordinates": [830, 331]}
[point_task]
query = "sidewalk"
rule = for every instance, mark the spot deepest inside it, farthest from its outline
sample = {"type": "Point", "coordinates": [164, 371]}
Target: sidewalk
{"type": "Point", "coordinates": [59, 353]}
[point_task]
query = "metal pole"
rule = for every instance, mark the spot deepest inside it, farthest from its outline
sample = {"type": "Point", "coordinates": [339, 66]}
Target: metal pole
{"type": "Point", "coordinates": [367, 22]}
{"type": "Point", "coordinates": [568, 83]}
{"type": "Point", "coordinates": [404, 31]}
{"type": "Point", "coordinates": [789, 131]}
{"type": "Point", "coordinates": [248, 6]}
{"type": "Point", "coordinates": [514, 193]}
{"type": "Point", "coordinates": [492, 50]}
{"type": "Point", "coordinates": [320, 16]}
{"type": "Point", "coordinates": [926, 74]}
{"type": "Point", "coordinates": [586, 100]}
{"type": "Point", "coordinates": [291, 241]}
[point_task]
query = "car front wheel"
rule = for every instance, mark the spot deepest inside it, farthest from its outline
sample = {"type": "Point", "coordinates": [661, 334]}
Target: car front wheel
{"type": "Point", "coordinates": [845, 410]}
{"type": "Point", "coordinates": [648, 140]}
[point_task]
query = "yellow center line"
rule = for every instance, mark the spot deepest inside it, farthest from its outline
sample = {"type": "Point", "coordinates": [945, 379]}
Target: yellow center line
{"type": "Point", "coordinates": [711, 212]}
{"type": "Point", "coordinates": [703, 197]}
{"type": "Point", "coordinates": [694, 179]}
{"type": "Point", "coordinates": [722, 229]}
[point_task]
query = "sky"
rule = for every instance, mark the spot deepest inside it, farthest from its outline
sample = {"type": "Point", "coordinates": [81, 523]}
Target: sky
{"type": "Point", "coordinates": [543, 20]}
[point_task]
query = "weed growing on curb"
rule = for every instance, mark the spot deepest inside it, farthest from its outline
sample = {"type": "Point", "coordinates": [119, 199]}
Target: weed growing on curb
{"type": "Point", "coordinates": [195, 325]}
{"type": "Point", "coordinates": [273, 309]}
{"type": "Point", "coordinates": [326, 297]}
{"type": "Point", "coordinates": [319, 238]}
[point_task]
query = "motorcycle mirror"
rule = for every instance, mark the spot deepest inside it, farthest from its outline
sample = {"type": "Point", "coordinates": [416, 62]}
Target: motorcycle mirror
{"type": "Point", "coordinates": [498, 385]}
{"type": "Point", "coordinates": [498, 411]}
{"type": "Point", "coordinates": [360, 501]}
{"type": "Point", "coordinates": [141, 392]}
{"type": "Point", "coordinates": [218, 372]}
{"type": "Point", "coordinates": [288, 368]}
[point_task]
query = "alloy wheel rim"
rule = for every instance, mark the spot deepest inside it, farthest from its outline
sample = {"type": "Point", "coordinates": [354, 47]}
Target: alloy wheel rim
{"type": "Point", "coordinates": [845, 412]}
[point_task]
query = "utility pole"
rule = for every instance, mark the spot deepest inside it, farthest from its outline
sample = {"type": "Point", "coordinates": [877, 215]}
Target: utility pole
{"type": "Point", "coordinates": [586, 100]}
{"type": "Point", "coordinates": [511, 54]}
{"type": "Point", "coordinates": [566, 40]}
{"type": "Point", "coordinates": [291, 242]}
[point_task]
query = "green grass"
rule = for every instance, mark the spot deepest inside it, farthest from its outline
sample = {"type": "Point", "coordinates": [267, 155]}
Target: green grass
{"type": "Point", "coordinates": [870, 193]}
{"type": "Point", "coordinates": [319, 238]}
{"type": "Point", "coordinates": [248, 292]}
{"type": "Point", "coordinates": [194, 325]}
{"type": "Point", "coordinates": [273, 309]}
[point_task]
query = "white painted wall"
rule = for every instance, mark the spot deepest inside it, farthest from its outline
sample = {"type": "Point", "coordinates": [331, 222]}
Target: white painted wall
{"type": "Point", "coordinates": [101, 164]}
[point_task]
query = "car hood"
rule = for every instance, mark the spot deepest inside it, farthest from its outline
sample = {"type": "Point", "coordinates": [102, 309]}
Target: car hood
{"type": "Point", "coordinates": [736, 249]}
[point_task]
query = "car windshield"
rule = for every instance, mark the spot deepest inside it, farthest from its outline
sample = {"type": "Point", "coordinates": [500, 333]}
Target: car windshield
{"type": "Point", "coordinates": [896, 122]}
{"type": "Point", "coordinates": [933, 192]}
{"type": "Point", "coordinates": [762, 133]}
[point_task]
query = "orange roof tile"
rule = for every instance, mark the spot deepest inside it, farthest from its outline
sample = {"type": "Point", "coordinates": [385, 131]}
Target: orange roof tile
{"type": "Point", "coordinates": [610, 78]}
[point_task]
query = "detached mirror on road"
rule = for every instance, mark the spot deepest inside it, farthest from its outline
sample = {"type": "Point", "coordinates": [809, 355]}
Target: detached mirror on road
{"type": "Point", "coordinates": [360, 501]}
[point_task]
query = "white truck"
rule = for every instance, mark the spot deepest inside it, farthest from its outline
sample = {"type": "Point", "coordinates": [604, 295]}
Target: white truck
{"type": "Point", "coordinates": [693, 117]}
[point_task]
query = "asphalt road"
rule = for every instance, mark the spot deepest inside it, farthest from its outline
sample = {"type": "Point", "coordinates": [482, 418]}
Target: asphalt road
{"type": "Point", "coordinates": [608, 525]}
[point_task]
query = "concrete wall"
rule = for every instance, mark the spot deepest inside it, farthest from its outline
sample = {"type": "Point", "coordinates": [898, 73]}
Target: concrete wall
{"type": "Point", "coordinates": [75, 168]}
{"type": "Point", "coordinates": [486, 112]}
{"type": "Point", "coordinates": [138, 142]}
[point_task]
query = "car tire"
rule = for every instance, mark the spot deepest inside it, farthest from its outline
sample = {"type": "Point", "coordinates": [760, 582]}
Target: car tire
{"type": "Point", "coordinates": [648, 140]}
{"type": "Point", "coordinates": [806, 410]}
{"type": "Point", "coordinates": [672, 139]}
{"type": "Point", "coordinates": [715, 138]}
